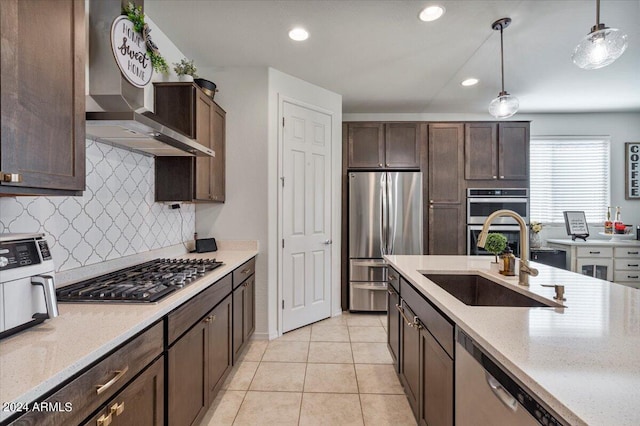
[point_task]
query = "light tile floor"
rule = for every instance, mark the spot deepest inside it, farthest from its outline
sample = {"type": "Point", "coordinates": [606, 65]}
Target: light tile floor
{"type": "Point", "coordinates": [334, 372]}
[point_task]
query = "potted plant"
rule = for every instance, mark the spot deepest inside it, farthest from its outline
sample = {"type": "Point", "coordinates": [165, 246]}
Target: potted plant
{"type": "Point", "coordinates": [185, 70]}
{"type": "Point", "coordinates": [495, 244]}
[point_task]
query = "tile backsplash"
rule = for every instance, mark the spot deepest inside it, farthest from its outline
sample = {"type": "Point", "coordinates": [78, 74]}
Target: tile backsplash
{"type": "Point", "coordinates": [115, 217]}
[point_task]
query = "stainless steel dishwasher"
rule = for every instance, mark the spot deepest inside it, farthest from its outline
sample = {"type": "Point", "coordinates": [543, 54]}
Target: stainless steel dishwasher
{"type": "Point", "coordinates": [487, 395]}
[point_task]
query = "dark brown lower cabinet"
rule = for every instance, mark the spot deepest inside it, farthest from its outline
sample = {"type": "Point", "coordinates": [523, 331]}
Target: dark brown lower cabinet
{"type": "Point", "coordinates": [436, 377]}
{"type": "Point", "coordinates": [220, 355]}
{"type": "Point", "coordinates": [393, 325]}
{"type": "Point", "coordinates": [243, 314]}
{"type": "Point", "coordinates": [410, 358]}
{"type": "Point", "coordinates": [198, 364]}
{"type": "Point", "coordinates": [187, 392]}
{"type": "Point", "coordinates": [140, 403]}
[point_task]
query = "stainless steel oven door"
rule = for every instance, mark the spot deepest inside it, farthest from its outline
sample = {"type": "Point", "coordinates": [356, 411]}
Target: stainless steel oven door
{"type": "Point", "coordinates": [512, 232]}
{"type": "Point", "coordinates": [478, 209]}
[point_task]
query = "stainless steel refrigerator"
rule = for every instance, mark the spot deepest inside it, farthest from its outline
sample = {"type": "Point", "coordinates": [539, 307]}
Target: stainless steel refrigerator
{"type": "Point", "coordinates": [385, 217]}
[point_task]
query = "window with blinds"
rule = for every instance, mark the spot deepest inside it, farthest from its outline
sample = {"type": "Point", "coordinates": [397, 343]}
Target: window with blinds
{"type": "Point", "coordinates": [569, 173]}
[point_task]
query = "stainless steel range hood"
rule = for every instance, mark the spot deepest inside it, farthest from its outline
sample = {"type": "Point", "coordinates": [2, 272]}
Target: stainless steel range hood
{"type": "Point", "coordinates": [115, 108]}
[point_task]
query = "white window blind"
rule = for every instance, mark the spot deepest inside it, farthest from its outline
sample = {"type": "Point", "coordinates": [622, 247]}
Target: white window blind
{"type": "Point", "coordinates": [569, 173]}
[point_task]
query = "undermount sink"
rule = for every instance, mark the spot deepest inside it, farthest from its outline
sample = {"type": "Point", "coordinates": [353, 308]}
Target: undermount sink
{"type": "Point", "coordinates": [475, 290]}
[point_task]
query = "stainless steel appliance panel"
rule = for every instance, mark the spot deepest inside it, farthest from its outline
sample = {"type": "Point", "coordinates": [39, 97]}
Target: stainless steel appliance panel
{"type": "Point", "coordinates": [486, 395]}
{"type": "Point", "coordinates": [365, 214]}
{"type": "Point", "coordinates": [368, 270]}
{"type": "Point", "coordinates": [481, 202]}
{"type": "Point", "coordinates": [368, 296]}
{"type": "Point", "coordinates": [405, 212]}
{"type": "Point", "coordinates": [512, 232]}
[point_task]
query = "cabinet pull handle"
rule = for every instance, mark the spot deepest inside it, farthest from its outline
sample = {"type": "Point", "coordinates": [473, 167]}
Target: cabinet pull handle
{"type": "Point", "coordinates": [501, 177]}
{"type": "Point", "coordinates": [119, 374]}
{"type": "Point", "coordinates": [11, 177]}
{"type": "Point", "coordinates": [594, 252]}
{"type": "Point", "coordinates": [245, 271]}
{"type": "Point", "coordinates": [495, 177]}
{"type": "Point", "coordinates": [392, 278]}
{"type": "Point", "coordinates": [391, 292]}
{"type": "Point", "coordinates": [414, 324]}
{"type": "Point", "coordinates": [635, 265]}
{"type": "Point", "coordinates": [632, 252]}
{"type": "Point", "coordinates": [210, 318]}
{"type": "Point", "coordinates": [117, 409]}
{"type": "Point", "coordinates": [633, 276]}
{"type": "Point", "coordinates": [379, 164]}
{"type": "Point", "coordinates": [104, 420]}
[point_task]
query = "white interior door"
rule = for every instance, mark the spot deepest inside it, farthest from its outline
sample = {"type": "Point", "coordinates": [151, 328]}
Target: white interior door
{"type": "Point", "coordinates": [306, 216]}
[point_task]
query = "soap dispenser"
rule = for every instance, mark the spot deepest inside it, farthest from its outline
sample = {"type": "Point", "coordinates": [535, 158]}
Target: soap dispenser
{"type": "Point", "coordinates": [508, 263]}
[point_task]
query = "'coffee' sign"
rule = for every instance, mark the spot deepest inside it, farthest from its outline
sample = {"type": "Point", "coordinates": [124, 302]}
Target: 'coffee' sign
{"type": "Point", "coordinates": [130, 51]}
{"type": "Point", "coordinates": [633, 170]}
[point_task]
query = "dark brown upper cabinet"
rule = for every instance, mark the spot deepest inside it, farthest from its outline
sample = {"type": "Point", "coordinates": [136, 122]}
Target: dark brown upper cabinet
{"type": "Point", "coordinates": [444, 181]}
{"type": "Point", "coordinates": [383, 146]}
{"type": "Point", "coordinates": [497, 151]}
{"type": "Point", "coordinates": [43, 97]}
{"type": "Point", "coordinates": [187, 109]}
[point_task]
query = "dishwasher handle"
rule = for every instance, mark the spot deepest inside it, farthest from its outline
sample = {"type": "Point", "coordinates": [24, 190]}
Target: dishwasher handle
{"type": "Point", "coordinates": [505, 397]}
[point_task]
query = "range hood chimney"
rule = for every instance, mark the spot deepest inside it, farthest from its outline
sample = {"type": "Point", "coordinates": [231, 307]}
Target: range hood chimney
{"type": "Point", "coordinates": [115, 107]}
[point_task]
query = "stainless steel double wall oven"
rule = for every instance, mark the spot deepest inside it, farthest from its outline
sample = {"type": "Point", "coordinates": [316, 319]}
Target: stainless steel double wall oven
{"type": "Point", "coordinates": [481, 202]}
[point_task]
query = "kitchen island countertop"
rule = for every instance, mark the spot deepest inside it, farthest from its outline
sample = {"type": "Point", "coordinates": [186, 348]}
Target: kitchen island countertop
{"type": "Point", "coordinates": [583, 360]}
{"type": "Point", "coordinates": [39, 359]}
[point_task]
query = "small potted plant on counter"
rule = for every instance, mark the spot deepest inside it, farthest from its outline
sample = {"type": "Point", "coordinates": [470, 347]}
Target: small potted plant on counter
{"type": "Point", "coordinates": [185, 70]}
{"type": "Point", "coordinates": [496, 243]}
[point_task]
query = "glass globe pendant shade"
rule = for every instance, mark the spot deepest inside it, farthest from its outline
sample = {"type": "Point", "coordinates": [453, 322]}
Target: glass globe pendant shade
{"type": "Point", "coordinates": [600, 48]}
{"type": "Point", "coordinates": [504, 106]}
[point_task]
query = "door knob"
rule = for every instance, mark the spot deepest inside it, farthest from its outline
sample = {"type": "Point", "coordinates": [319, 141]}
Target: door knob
{"type": "Point", "coordinates": [328, 242]}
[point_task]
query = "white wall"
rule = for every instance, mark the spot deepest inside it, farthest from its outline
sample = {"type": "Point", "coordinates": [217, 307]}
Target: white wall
{"type": "Point", "coordinates": [243, 216]}
{"type": "Point", "coordinates": [250, 96]}
{"type": "Point", "coordinates": [620, 127]}
{"type": "Point", "coordinates": [282, 86]}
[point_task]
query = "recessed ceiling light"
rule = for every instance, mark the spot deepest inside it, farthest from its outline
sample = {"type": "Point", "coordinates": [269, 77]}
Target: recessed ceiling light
{"type": "Point", "coordinates": [298, 34]}
{"type": "Point", "coordinates": [470, 82]}
{"type": "Point", "coordinates": [431, 13]}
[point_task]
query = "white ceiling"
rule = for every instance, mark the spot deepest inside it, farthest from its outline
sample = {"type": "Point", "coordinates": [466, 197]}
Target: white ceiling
{"type": "Point", "coordinates": [381, 58]}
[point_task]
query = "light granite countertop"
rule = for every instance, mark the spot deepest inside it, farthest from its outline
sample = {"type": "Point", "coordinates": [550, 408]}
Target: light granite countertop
{"type": "Point", "coordinates": [37, 360]}
{"type": "Point", "coordinates": [583, 360]}
{"type": "Point", "coordinates": [595, 242]}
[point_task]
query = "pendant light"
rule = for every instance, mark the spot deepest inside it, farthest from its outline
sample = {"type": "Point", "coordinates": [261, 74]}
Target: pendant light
{"type": "Point", "coordinates": [600, 47]}
{"type": "Point", "coordinates": [505, 105]}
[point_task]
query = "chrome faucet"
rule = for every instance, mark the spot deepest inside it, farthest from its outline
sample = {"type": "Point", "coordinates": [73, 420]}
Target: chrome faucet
{"type": "Point", "coordinates": [525, 270]}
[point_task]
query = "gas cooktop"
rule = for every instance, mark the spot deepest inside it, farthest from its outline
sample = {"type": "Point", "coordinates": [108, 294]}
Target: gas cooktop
{"type": "Point", "coordinates": [144, 283]}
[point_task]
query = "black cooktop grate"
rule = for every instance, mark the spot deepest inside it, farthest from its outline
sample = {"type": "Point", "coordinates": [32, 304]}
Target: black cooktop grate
{"type": "Point", "coordinates": [144, 283]}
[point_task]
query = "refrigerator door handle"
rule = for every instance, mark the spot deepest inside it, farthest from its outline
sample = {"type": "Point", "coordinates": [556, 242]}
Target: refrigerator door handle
{"type": "Point", "coordinates": [391, 215]}
{"type": "Point", "coordinates": [383, 214]}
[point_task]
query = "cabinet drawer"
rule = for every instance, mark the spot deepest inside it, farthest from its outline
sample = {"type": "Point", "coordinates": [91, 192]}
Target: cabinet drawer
{"type": "Point", "coordinates": [626, 264]}
{"type": "Point", "coordinates": [437, 324]}
{"type": "Point", "coordinates": [189, 313]}
{"type": "Point", "coordinates": [625, 276]}
{"type": "Point", "coordinates": [141, 403]}
{"type": "Point", "coordinates": [100, 382]}
{"type": "Point", "coordinates": [595, 252]}
{"type": "Point", "coordinates": [243, 272]}
{"type": "Point", "coordinates": [627, 252]}
{"type": "Point", "coordinates": [394, 279]}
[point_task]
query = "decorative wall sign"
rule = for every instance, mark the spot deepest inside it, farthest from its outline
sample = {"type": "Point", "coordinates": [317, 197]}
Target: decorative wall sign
{"type": "Point", "coordinates": [632, 170]}
{"type": "Point", "coordinates": [576, 223]}
{"type": "Point", "coordinates": [130, 50]}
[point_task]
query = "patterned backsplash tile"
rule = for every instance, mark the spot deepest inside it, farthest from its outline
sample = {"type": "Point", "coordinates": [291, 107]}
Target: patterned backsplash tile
{"type": "Point", "coordinates": [115, 217]}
